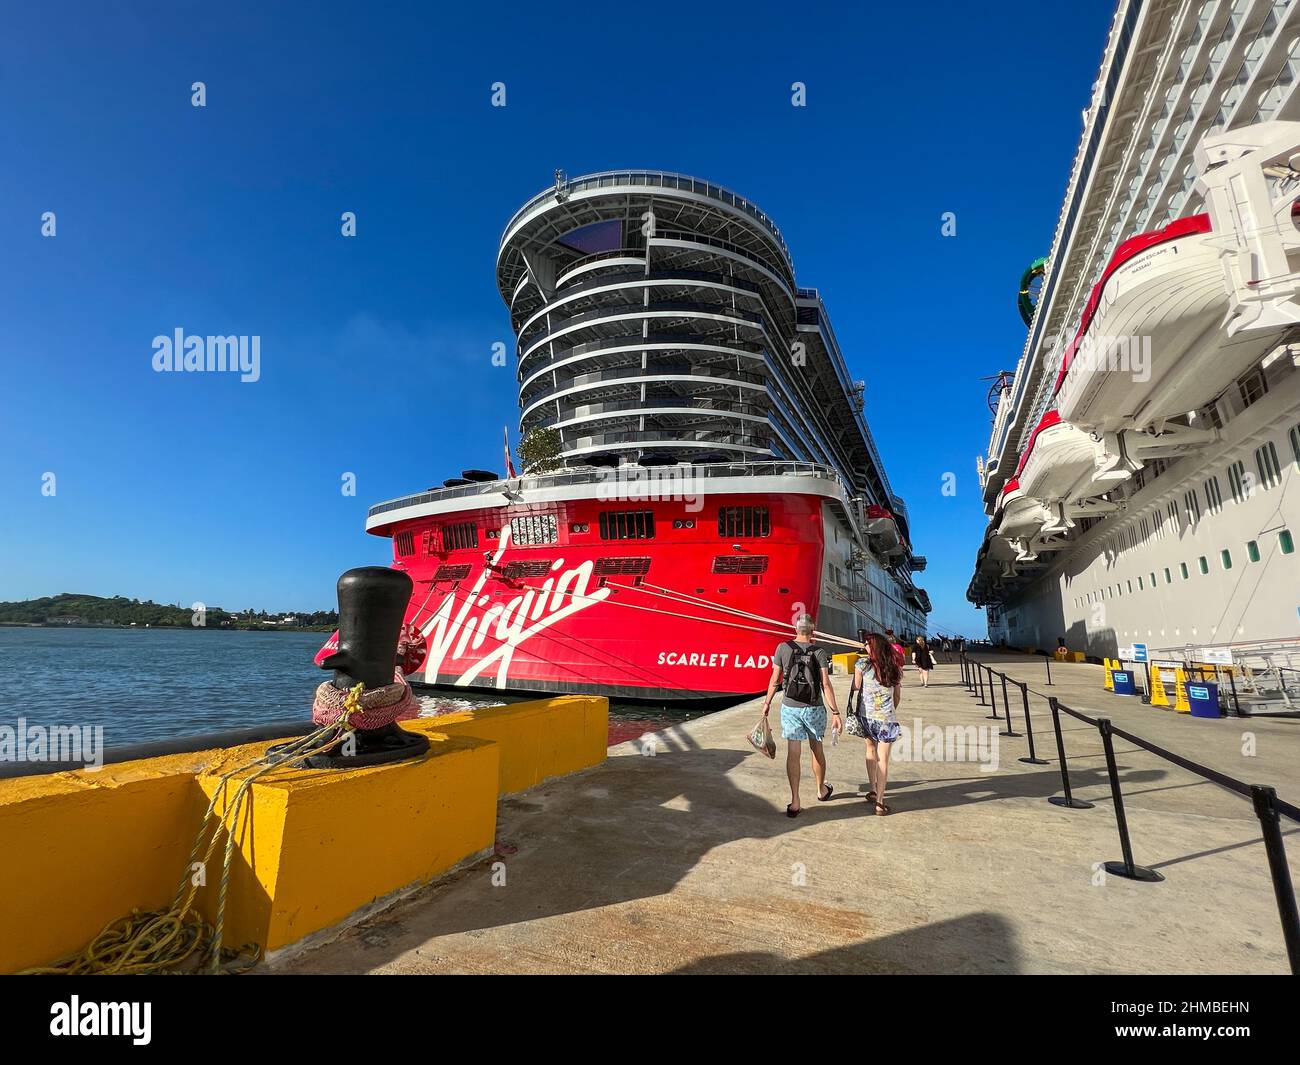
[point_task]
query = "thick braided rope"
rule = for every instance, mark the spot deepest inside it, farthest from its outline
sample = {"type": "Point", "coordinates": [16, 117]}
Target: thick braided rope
{"type": "Point", "coordinates": [379, 706]}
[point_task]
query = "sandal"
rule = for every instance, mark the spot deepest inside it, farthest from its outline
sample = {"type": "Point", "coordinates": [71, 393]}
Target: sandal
{"type": "Point", "coordinates": [881, 809]}
{"type": "Point", "coordinates": [829, 792]}
{"type": "Point", "coordinates": [791, 813]}
{"type": "Point", "coordinates": [871, 796]}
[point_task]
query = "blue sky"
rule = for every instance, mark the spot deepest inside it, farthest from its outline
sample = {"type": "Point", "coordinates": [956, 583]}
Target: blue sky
{"type": "Point", "coordinates": [376, 350]}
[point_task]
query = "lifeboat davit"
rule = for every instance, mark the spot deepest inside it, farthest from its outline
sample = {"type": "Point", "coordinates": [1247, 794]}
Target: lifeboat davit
{"type": "Point", "coordinates": [1152, 342]}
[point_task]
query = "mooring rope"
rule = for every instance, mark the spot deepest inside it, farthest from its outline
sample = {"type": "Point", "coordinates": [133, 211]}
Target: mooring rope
{"type": "Point", "coordinates": [160, 940]}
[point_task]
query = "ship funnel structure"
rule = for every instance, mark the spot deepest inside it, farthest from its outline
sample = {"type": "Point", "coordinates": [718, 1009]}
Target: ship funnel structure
{"type": "Point", "coordinates": [1252, 226]}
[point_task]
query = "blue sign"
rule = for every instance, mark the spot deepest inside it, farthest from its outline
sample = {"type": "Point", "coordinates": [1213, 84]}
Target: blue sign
{"type": "Point", "coordinates": [1196, 691]}
{"type": "Point", "coordinates": [1139, 652]}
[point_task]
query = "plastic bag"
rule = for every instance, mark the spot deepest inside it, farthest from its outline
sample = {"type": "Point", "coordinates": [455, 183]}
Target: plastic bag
{"type": "Point", "coordinates": [761, 737]}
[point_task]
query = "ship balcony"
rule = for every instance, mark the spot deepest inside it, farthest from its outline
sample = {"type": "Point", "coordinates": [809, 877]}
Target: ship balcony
{"type": "Point", "coordinates": [688, 410]}
{"type": "Point", "coordinates": [590, 385]}
{"type": "Point", "coordinates": [602, 194]}
{"type": "Point", "coordinates": [628, 350]}
{"type": "Point", "coordinates": [709, 290]}
{"type": "Point", "coordinates": [622, 320]}
{"type": "Point", "coordinates": [667, 443]}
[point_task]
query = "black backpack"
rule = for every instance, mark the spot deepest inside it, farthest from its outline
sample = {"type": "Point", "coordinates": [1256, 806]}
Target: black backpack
{"type": "Point", "coordinates": [803, 680]}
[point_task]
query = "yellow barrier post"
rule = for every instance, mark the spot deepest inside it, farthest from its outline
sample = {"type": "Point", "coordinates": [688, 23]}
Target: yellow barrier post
{"type": "Point", "coordinates": [1110, 680]}
{"type": "Point", "coordinates": [1180, 698]}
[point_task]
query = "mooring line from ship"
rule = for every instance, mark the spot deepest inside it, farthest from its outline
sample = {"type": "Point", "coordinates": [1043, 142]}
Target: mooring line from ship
{"type": "Point", "coordinates": [164, 939]}
{"type": "Point", "coordinates": [673, 593]}
{"type": "Point", "coordinates": [780, 633]}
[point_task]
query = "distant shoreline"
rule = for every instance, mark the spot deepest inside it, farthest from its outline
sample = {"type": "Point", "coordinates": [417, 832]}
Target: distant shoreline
{"type": "Point", "coordinates": [167, 628]}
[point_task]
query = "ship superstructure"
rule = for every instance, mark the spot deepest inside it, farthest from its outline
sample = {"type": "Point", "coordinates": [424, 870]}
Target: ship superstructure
{"type": "Point", "coordinates": [713, 478]}
{"type": "Point", "coordinates": [1141, 475]}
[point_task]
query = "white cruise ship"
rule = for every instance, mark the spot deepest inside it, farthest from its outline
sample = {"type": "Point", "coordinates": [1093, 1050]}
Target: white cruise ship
{"type": "Point", "coordinates": [1142, 480]}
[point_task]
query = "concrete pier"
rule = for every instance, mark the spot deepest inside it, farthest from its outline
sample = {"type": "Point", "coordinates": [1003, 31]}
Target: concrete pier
{"type": "Point", "coordinates": [682, 860]}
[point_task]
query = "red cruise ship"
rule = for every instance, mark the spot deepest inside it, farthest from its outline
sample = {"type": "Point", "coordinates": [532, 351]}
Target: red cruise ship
{"type": "Point", "coordinates": [713, 474]}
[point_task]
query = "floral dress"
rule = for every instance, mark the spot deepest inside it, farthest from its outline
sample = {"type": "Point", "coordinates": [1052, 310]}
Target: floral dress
{"type": "Point", "coordinates": [876, 707]}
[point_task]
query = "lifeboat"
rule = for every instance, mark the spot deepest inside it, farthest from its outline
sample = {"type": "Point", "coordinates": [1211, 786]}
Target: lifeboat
{"type": "Point", "coordinates": [879, 524]}
{"type": "Point", "coordinates": [1019, 513]}
{"type": "Point", "coordinates": [1155, 339]}
{"type": "Point", "coordinates": [1062, 462]}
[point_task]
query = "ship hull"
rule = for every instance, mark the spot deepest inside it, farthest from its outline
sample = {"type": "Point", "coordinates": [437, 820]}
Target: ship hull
{"type": "Point", "coordinates": [692, 612]}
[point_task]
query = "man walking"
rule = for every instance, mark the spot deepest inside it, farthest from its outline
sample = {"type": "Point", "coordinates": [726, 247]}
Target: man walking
{"type": "Point", "coordinates": [805, 668]}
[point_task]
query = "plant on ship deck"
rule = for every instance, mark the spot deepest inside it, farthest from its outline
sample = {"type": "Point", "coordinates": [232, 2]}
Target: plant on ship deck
{"type": "Point", "coordinates": [539, 449]}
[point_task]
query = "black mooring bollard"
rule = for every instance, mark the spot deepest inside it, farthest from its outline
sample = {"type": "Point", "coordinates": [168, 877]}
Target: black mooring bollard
{"type": "Point", "coordinates": [372, 603]}
{"type": "Point", "coordinates": [1006, 708]}
{"type": "Point", "coordinates": [993, 700]}
{"type": "Point", "coordinates": [1126, 868]}
{"type": "Point", "coordinates": [1033, 758]}
{"type": "Point", "coordinates": [1067, 800]}
{"type": "Point", "coordinates": [1265, 800]}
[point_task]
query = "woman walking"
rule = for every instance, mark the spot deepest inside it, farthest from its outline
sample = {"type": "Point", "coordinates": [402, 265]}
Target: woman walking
{"type": "Point", "coordinates": [923, 659]}
{"type": "Point", "coordinates": [878, 678]}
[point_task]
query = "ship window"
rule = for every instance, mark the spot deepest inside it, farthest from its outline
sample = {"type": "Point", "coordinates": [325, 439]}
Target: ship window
{"type": "Point", "coordinates": [1295, 445]}
{"type": "Point", "coordinates": [1203, 564]}
{"type": "Point", "coordinates": [1213, 497]}
{"type": "Point", "coordinates": [1169, 577]}
{"type": "Point", "coordinates": [1225, 556]}
{"type": "Point", "coordinates": [1284, 542]}
{"type": "Point", "coordinates": [405, 542]}
{"type": "Point", "coordinates": [428, 542]}
{"type": "Point", "coordinates": [1182, 568]}
{"type": "Point", "coordinates": [451, 573]}
{"type": "Point", "coordinates": [740, 564]}
{"type": "Point", "coordinates": [1153, 580]}
{"type": "Point", "coordinates": [1130, 585]}
{"type": "Point", "coordinates": [627, 525]}
{"type": "Point", "coordinates": [534, 529]}
{"type": "Point", "coordinates": [1237, 482]}
{"type": "Point", "coordinates": [1252, 550]}
{"type": "Point", "coordinates": [463, 535]}
{"type": "Point", "coordinates": [1252, 386]}
{"type": "Point", "coordinates": [631, 567]}
{"type": "Point", "coordinates": [744, 521]}
{"type": "Point", "coordinates": [1270, 470]}
{"type": "Point", "coordinates": [531, 567]}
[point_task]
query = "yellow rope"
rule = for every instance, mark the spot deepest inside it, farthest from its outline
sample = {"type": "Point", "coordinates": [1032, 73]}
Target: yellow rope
{"type": "Point", "coordinates": [161, 940]}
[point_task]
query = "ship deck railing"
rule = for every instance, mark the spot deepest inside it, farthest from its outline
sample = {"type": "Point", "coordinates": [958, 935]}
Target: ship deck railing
{"type": "Point", "coordinates": [648, 475]}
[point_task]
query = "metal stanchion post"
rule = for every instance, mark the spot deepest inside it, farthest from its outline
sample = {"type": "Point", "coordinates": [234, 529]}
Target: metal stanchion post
{"type": "Point", "coordinates": [1265, 800]}
{"type": "Point", "coordinates": [993, 700]}
{"type": "Point", "coordinates": [1125, 868]}
{"type": "Point", "coordinates": [1048, 660]}
{"type": "Point", "coordinates": [1033, 758]}
{"type": "Point", "coordinates": [1006, 709]}
{"type": "Point", "coordinates": [1066, 800]}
